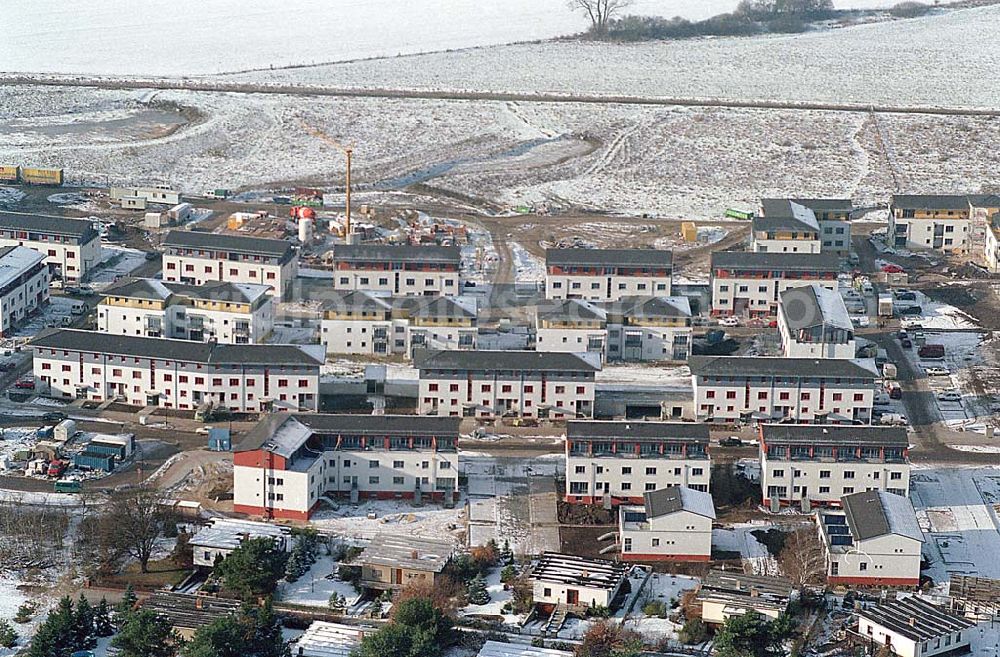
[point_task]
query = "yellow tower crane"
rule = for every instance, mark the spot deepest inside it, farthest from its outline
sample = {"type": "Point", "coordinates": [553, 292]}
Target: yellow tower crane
{"type": "Point", "coordinates": [348, 152]}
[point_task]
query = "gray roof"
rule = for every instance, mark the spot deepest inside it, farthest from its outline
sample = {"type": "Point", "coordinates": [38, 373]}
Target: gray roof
{"type": "Point", "coordinates": [931, 201]}
{"type": "Point", "coordinates": [678, 498]}
{"type": "Point", "coordinates": [191, 239]}
{"type": "Point", "coordinates": [435, 306]}
{"type": "Point", "coordinates": [151, 288]}
{"type": "Point", "coordinates": [82, 229]}
{"type": "Point", "coordinates": [576, 309]}
{"type": "Point", "coordinates": [580, 571]}
{"type": "Point", "coordinates": [605, 429]}
{"type": "Point", "coordinates": [138, 288]}
{"type": "Point", "coordinates": [182, 350]}
{"type": "Point", "coordinates": [533, 361]}
{"type": "Point", "coordinates": [651, 306]}
{"type": "Point", "coordinates": [807, 306]}
{"type": "Point", "coordinates": [752, 260]}
{"type": "Point", "coordinates": [985, 200]}
{"type": "Point", "coordinates": [787, 216]}
{"type": "Point", "coordinates": [915, 618]}
{"type": "Point", "coordinates": [837, 434]}
{"type": "Point", "coordinates": [780, 205]}
{"type": "Point", "coordinates": [734, 582]}
{"type": "Point", "coordinates": [286, 432]}
{"type": "Point", "coordinates": [357, 300]}
{"type": "Point", "coordinates": [189, 611]}
{"type": "Point", "coordinates": [609, 257]}
{"type": "Point", "coordinates": [738, 366]}
{"type": "Point", "coordinates": [410, 552]}
{"type": "Point", "coordinates": [396, 253]}
{"type": "Point", "coordinates": [875, 513]}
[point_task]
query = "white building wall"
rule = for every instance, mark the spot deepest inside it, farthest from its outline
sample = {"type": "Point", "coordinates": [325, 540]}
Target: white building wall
{"type": "Point", "coordinates": [792, 348]}
{"type": "Point", "coordinates": [23, 300]}
{"type": "Point", "coordinates": [756, 295]}
{"type": "Point", "coordinates": [493, 394]}
{"type": "Point", "coordinates": [826, 482]}
{"type": "Point", "coordinates": [398, 282]}
{"type": "Point", "coordinates": [175, 322]}
{"type": "Point", "coordinates": [289, 490]}
{"type": "Point", "coordinates": [631, 476]}
{"type": "Point", "coordinates": [555, 593]}
{"type": "Point", "coordinates": [198, 271]}
{"type": "Point", "coordinates": [681, 534]}
{"type": "Point", "coordinates": [570, 340]}
{"type": "Point", "coordinates": [605, 288]}
{"type": "Point", "coordinates": [765, 245]}
{"type": "Point", "coordinates": [956, 233]}
{"type": "Point", "coordinates": [835, 236]}
{"type": "Point", "coordinates": [890, 557]}
{"type": "Point", "coordinates": [74, 260]}
{"type": "Point", "coordinates": [991, 256]}
{"type": "Point", "coordinates": [905, 647]}
{"type": "Point", "coordinates": [726, 401]}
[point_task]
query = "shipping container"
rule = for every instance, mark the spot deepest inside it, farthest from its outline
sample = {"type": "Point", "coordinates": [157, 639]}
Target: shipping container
{"type": "Point", "coordinates": [9, 173]}
{"type": "Point", "coordinates": [94, 461]}
{"type": "Point", "coordinates": [107, 449]}
{"type": "Point", "coordinates": [34, 176]}
{"type": "Point", "coordinates": [931, 351]}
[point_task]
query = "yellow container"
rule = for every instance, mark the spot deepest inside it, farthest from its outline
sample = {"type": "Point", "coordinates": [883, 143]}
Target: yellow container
{"type": "Point", "coordinates": [689, 231]}
{"type": "Point", "coordinates": [41, 176]}
{"type": "Point", "coordinates": [8, 173]}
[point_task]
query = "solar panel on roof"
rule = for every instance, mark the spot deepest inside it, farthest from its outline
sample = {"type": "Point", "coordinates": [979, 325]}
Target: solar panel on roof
{"type": "Point", "coordinates": [841, 540]}
{"type": "Point", "coordinates": [835, 520]}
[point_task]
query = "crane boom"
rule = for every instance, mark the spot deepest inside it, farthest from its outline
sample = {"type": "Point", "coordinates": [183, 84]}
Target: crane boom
{"type": "Point", "coordinates": [348, 152]}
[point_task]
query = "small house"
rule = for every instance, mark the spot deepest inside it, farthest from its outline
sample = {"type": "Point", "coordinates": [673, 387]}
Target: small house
{"type": "Point", "coordinates": [391, 562]}
{"type": "Point", "coordinates": [323, 639]}
{"type": "Point", "coordinates": [674, 524]}
{"type": "Point", "coordinates": [224, 535]}
{"type": "Point", "coordinates": [576, 582]}
{"type": "Point", "coordinates": [188, 613]}
{"type": "Point", "coordinates": [729, 593]}
{"type": "Point", "coordinates": [913, 627]}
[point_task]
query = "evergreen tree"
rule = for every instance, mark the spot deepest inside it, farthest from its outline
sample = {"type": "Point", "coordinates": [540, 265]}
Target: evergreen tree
{"type": "Point", "coordinates": [295, 567]}
{"type": "Point", "coordinates": [267, 640]}
{"type": "Point", "coordinates": [253, 568]}
{"type": "Point", "coordinates": [506, 554]}
{"type": "Point", "coordinates": [145, 634]}
{"type": "Point", "coordinates": [56, 636]}
{"type": "Point", "coordinates": [476, 592]}
{"type": "Point", "coordinates": [102, 619]}
{"type": "Point", "coordinates": [8, 635]}
{"type": "Point", "coordinates": [25, 613]}
{"type": "Point", "coordinates": [83, 624]}
{"type": "Point", "coordinates": [508, 574]}
{"type": "Point", "coordinates": [128, 602]}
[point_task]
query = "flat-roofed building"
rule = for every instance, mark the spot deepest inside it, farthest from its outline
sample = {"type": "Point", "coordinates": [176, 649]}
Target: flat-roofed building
{"type": "Point", "coordinates": [823, 463]}
{"type": "Point", "coordinates": [506, 383]}
{"type": "Point", "coordinates": [913, 627]}
{"type": "Point", "coordinates": [632, 329]}
{"type": "Point", "coordinates": [576, 582]}
{"type": "Point", "coordinates": [503, 649]}
{"type": "Point", "coordinates": [371, 324]}
{"type": "Point", "coordinates": [24, 286]}
{"type": "Point", "coordinates": [813, 322]}
{"type": "Point", "coordinates": [930, 221]}
{"type": "Point", "coordinates": [833, 216]}
{"type": "Point", "coordinates": [391, 562]}
{"type": "Point", "coordinates": [399, 270]}
{"type": "Point", "coordinates": [673, 524]}
{"type": "Point", "coordinates": [231, 313]}
{"type": "Point", "coordinates": [72, 248]}
{"type": "Point", "coordinates": [621, 461]}
{"type": "Point", "coordinates": [141, 371]}
{"type": "Point", "coordinates": [286, 463]}
{"type": "Point", "coordinates": [223, 535]}
{"type": "Point", "coordinates": [725, 593]}
{"type": "Point", "coordinates": [799, 390]}
{"type": "Point", "coordinates": [197, 258]}
{"type": "Point", "coordinates": [874, 541]}
{"type": "Point", "coordinates": [607, 274]}
{"type": "Point", "coordinates": [325, 639]}
{"type": "Point", "coordinates": [749, 284]}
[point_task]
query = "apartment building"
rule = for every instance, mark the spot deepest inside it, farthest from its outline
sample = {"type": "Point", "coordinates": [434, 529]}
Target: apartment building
{"type": "Point", "coordinates": [813, 322]}
{"type": "Point", "coordinates": [833, 216]}
{"type": "Point", "coordinates": [823, 463]}
{"type": "Point", "coordinates": [24, 286]}
{"type": "Point", "coordinates": [619, 462]}
{"type": "Point", "coordinates": [143, 371]}
{"type": "Point", "coordinates": [749, 284]}
{"type": "Point", "coordinates": [399, 270]}
{"type": "Point", "coordinates": [607, 274]}
{"type": "Point", "coordinates": [506, 383]}
{"type": "Point", "coordinates": [941, 222]}
{"type": "Point", "coordinates": [229, 313]}
{"type": "Point", "coordinates": [361, 322]}
{"type": "Point", "coordinates": [632, 329]}
{"type": "Point", "coordinates": [785, 228]}
{"type": "Point", "coordinates": [801, 390]}
{"type": "Point", "coordinates": [71, 246]}
{"type": "Point", "coordinates": [913, 627]}
{"type": "Point", "coordinates": [874, 541]}
{"type": "Point", "coordinates": [991, 252]}
{"type": "Point", "coordinates": [197, 258]}
{"type": "Point", "coordinates": [673, 524]}
{"type": "Point", "coordinates": [287, 462]}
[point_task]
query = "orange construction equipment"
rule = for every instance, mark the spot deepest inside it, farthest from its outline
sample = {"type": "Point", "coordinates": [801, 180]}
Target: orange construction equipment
{"type": "Point", "coordinates": [302, 212]}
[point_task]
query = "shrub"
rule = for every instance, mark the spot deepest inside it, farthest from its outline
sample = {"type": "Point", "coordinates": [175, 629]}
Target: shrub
{"type": "Point", "coordinates": [694, 632]}
{"type": "Point", "coordinates": [655, 608]}
{"type": "Point", "coordinates": [909, 10]}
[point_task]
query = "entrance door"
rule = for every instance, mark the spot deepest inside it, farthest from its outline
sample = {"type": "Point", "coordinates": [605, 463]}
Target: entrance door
{"type": "Point", "coordinates": [572, 596]}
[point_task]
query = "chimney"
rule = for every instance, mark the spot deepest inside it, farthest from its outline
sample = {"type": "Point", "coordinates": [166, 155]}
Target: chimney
{"type": "Point", "coordinates": [198, 602]}
{"type": "Point", "coordinates": [413, 554]}
{"type": "Point", "coordinates": [913, 621]}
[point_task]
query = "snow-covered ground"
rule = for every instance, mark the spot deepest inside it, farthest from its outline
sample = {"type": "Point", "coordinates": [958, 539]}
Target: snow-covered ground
{"type": "Point", "coordinates": [316, 586]}
{"type": "Point", "coordinates": [667, 377]}
{"type": "Point", "coordinates": [739, 538]}
{"type": "Point", "coordinates": [955, 509]}
{"type": "Point", "coordinates": [233, 35]}
{"type": "Point", "coordinates": [528, 268]}
{"type": "Point", "coordinates": [498, 598]}
{"type": "Point", "coordinates": [351, 522]}
{"type": "Point", "coordinates": [116, 262]}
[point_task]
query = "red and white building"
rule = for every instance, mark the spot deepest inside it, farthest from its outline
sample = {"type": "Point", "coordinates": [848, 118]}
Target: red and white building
{"type": "Point", "coordinates": [141, 371]}
{"type": "Point", "coordinates": [287, 463]}
{"type": "Point", "coordinates": [622, 461]}
{"type": "Point", "coordinates": [197, 258]}
{"type": "Point", "coordinates": [399, 270]}
{"type": "Point", "coordinates": [748, 284]}
{"type": "Point", "coordinates": [800, 390]}
{"type": "Point", "coordinates": [506, 383]}
{"type": "Point", "coordinates": [607, 274]}
{"type": "Point", "coordinates": [71, 246]}
{"type": "Point", "coordinates": [673, 524]}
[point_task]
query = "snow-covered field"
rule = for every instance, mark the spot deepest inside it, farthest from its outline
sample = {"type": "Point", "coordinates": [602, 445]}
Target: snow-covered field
{"type": "Point", "coordinates": [351, 521]}
{"type": "Point", "coordinates": [195, 38]}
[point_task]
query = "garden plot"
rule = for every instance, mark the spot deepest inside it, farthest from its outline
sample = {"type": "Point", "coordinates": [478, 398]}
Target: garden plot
{"type": "Point", "coordinates": [957, 511]}
{"type": "Point", "coordinates": [739, 538]}
{"type": "Point", "coordinates": [317, 585]}
{"type": "Point", "coordinates": [351, 522]}
{"type": "Point", "coordinates": [499, 596]}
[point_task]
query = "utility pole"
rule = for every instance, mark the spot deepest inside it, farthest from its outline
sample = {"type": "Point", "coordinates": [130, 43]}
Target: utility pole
{"type": "Point", "coordinates": [347, 205]}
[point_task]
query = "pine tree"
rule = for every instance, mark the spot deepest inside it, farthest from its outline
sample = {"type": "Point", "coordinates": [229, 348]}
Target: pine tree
{"type": "Point", "coordinates": [506, 554]}
{"type": "Point", "coordinates": [267, 640]}
{"type": "Point", "coordinates": [83, 624]}
{"type": "Point", "coordinates": [508, 574]}
{"type": "Point", "coordinates": [102, 619]}
{"type": "Point", "coordinates": [25, 613]}
{"type": "Point", "coordinates": [8, 635]}
{"type": "Point", "coordinates": [477, 593]}
{"type": "Point", "coordinates": [128, 602]}
{"type": "Point", "coordinates": [295, 568]}
{"type": "Point", "coordinates": [55, 637]}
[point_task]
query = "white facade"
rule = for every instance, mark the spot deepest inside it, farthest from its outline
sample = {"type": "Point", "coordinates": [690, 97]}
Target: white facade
{"type": "Point", "coordinates": [813, 322]}
{"type": "Point", "coordinates": [749, 284]}
{"type": "Point", "coordinates": [71, 246]}
{"type": "Point", "coordinates": [727, 593]}
{"type": "Point", "coordinates": [675, 524]}
{"type": "Point", "coordinates": [576, 582]}
{"type": "Point", "coordinates": [495, 383]}
{"type": "Point", "coordinates": [991, 254]}
{"type": "Point", "coordinates": [179, 374]}
{"type": "Point", "coordinates": [397, 270]}
{"type": "Point", "coordinates": [607, 274]}
{"type": "Point", "coordinates": [224, 313]}
{"type": "Point", "coordinates": [913, 627]}
{"type": "Point", "coordinates": [24, 286]}
{"type": "Point", "coordinates": [801, 390]}
{"type": "Point", "coordinates": [938, 222]}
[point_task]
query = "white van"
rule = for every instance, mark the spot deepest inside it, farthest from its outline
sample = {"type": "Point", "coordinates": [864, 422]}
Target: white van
{"type": "Point", "coordinates": [78, 308]}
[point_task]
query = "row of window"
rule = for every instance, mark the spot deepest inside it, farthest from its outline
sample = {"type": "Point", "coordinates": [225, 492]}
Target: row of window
{"type": "Point", "coordinates": [785, 396]}
{"type": "Point", "coordinates": [508, 388]}
{"type": "Point", "coordinates": [232, 272]}
{"type": "Point", "coordinates": [627, 470]}
{"type": "Point", "coordinates": [557, 285]}
{"type": "Point", "coordinates": [384, 282]}
{"type": "Point", "coordinates": [825, 474]}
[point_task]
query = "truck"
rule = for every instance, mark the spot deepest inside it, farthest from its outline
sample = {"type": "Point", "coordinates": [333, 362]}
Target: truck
{"type": "Point", "coordinates": [931, 351]}
{"type": "Point", "coordinates": [67, 486]}
{"type": "Point", "coordinates": [885, 305]}
{"type": "Point", "coordinates": [56, 468]}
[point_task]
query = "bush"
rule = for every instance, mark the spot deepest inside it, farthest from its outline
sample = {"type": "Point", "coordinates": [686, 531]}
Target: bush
{"type": "Point", "coordinates": [8, 635]}
{"type": "Point", "coordinates": [25, 613]}
{"type": "Point", "coordinates": [909, 10]}
{"type": "Point", "coordinates": [694, 632]}
{"type": "Point", "coordinates": [655, 608]}
{"type": "Point", "coordinates": [508, 574]}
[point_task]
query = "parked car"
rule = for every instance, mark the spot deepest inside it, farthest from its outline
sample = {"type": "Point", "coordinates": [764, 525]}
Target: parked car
{"type": "Point", "coordinates": [153, 255]}
{"type": "Point", "coordinates": [71, 290]}
{"type": "Point", "coordinates": [861, 322]}
{"type": "Point", "coordinates": [892, 269]}
{"type": "Point", "coordinates": [910, 311]}
{"type": "Point", "coordinates": [731, 441]}
{"type": "Point", "coordinates": [950, 396]}
{"type": "Point", "coordinates": [902, 335]}
{"type": "Point", "coordinates": [25, 384]}
{"type": "Point", "coordinates": [86, 291]}
{"type": "Point", "coordinates": [7, 366]}
{"type": "Point", "coordinates": [896, 393]}
{"type": "Point", "coordinates": [731, 320]}
{"type": "Point", "coordinates": [905, 343]}
{"type": "Point", "coordinates": [931, 351]}
{"type": "Point", "coordinates": [937, 371]}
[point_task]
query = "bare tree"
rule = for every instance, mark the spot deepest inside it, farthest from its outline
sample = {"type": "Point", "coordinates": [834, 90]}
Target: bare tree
{"type": "Point", "coordinates": [802, 558]}
{"type": "Point", "coordinates": [600, 12]}
{"type": "Point", "coordinates": [133, 521]}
